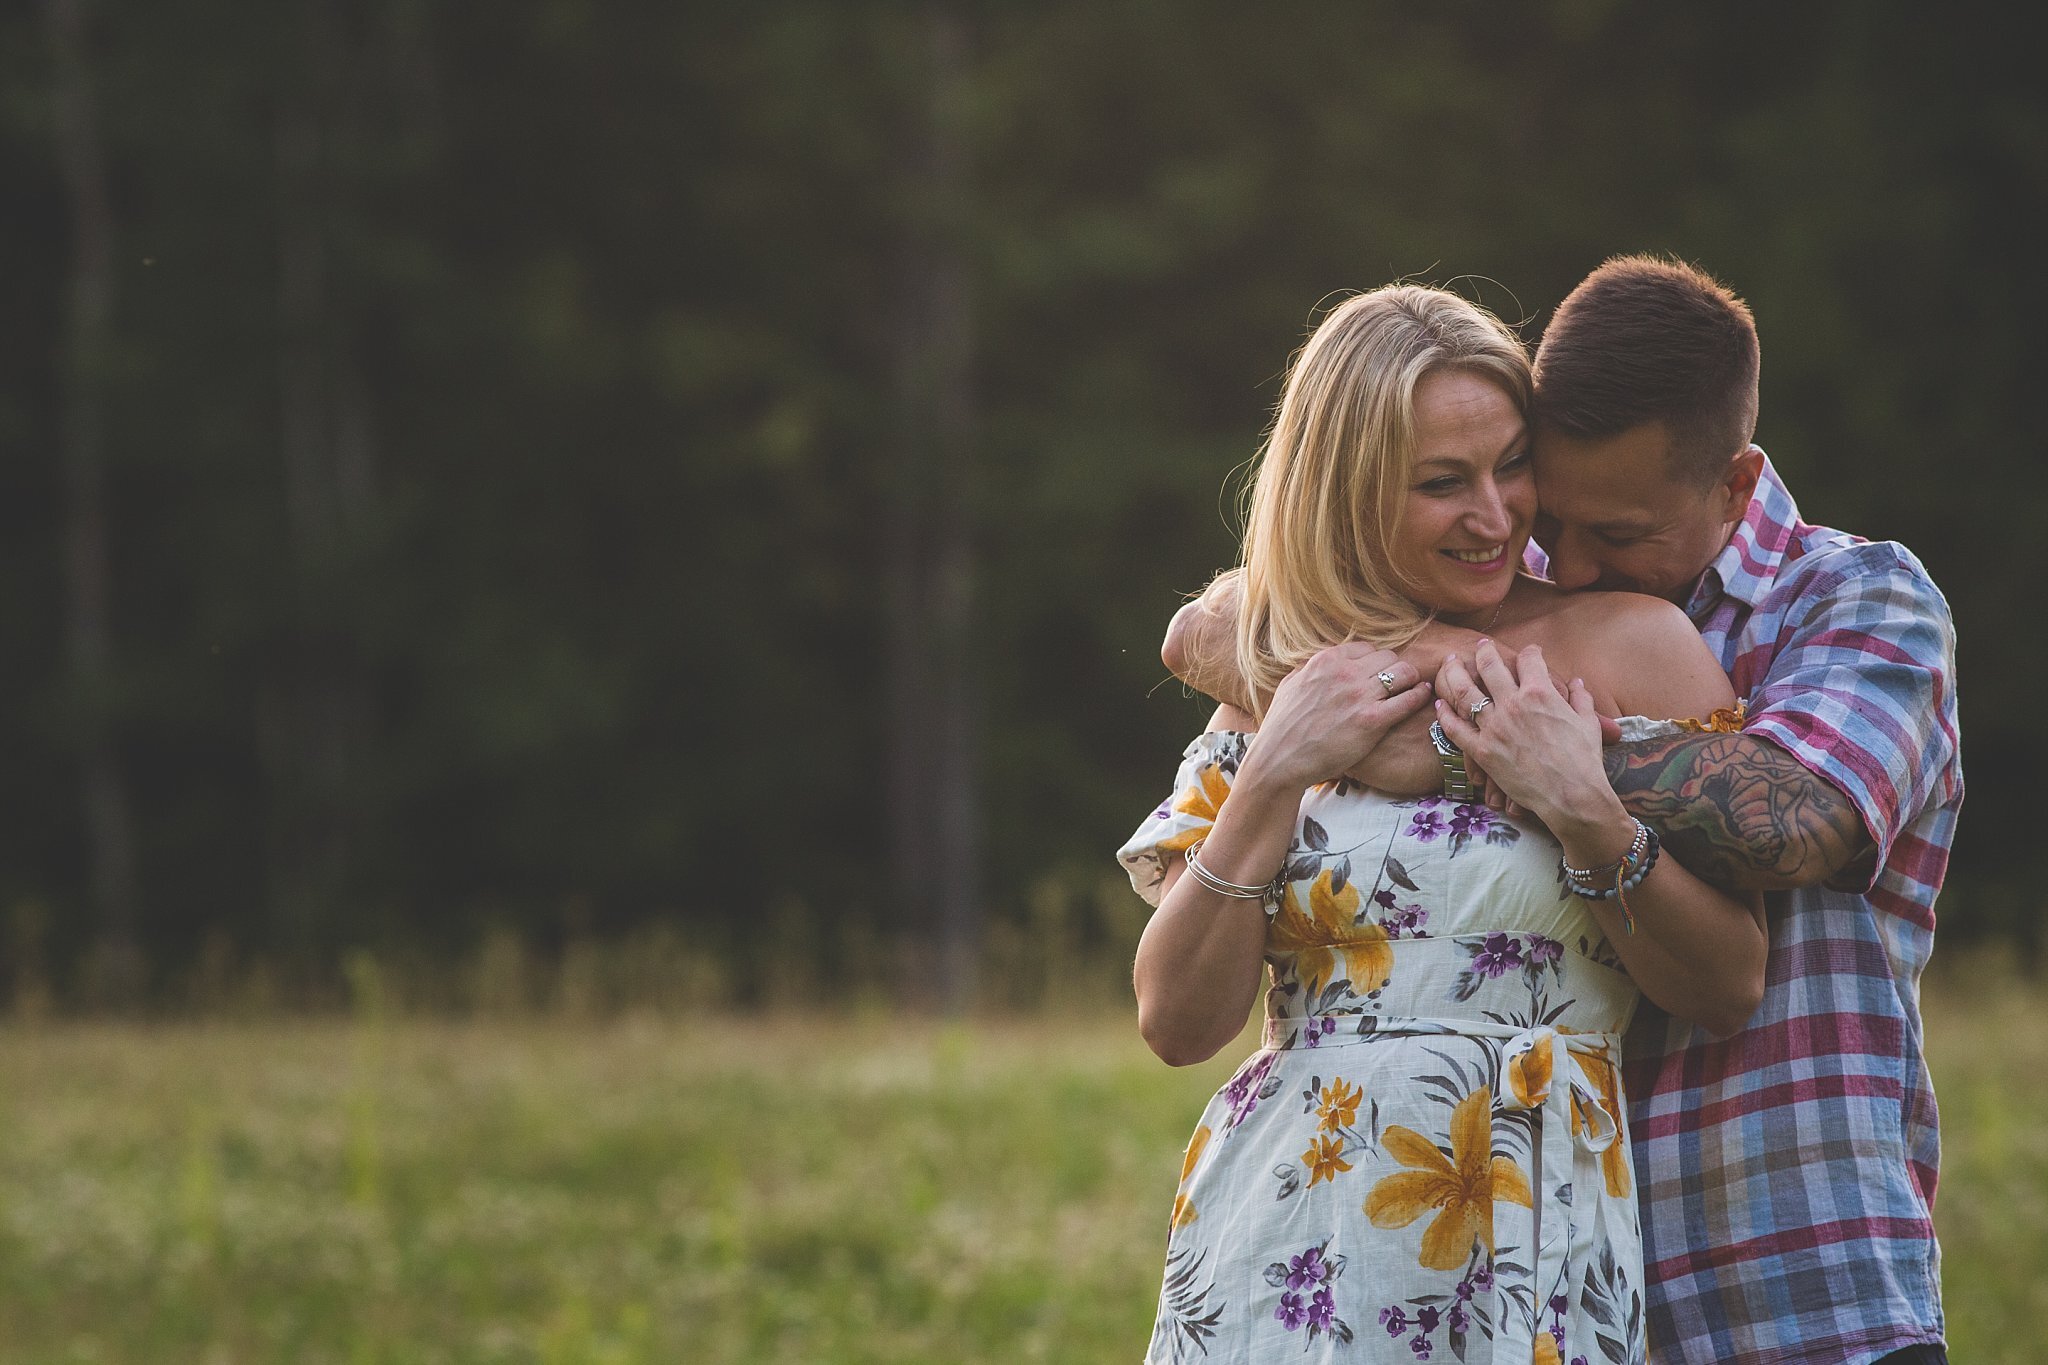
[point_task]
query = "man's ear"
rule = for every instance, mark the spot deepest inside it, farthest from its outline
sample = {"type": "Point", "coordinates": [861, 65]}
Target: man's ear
{"type": "Point", "coordinates": [1738, 484]}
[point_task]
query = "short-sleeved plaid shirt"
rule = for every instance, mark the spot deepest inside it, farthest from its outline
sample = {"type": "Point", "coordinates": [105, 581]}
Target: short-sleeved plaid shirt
{"type": "Point", "coordinates": [1787, 1173]}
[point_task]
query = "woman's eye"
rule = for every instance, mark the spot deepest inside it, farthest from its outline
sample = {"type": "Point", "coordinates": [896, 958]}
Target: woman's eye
{"type": "Point", "coordinates": [1518, 460]}
{"type": "Point", "coordinates": [1439, 485]}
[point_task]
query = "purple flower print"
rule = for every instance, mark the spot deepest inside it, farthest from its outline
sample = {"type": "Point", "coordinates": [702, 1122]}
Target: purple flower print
{"type": "Point", "coordinates": [1163, 813]}
{"type": "Point", "coordinates": [1469, 821]}
{"type": "Point", "coordinates": [1499, 954]}
{"type": "Point", "coordinates": [1317, 1029]}
{"type": "Point", "coordinates": [1426, 1318]}
{"type": "Point", "coordinates": [1394, 1320]}
{"type": "Point", "coordinates": [1425, 825]}
{"type": "Point", "coordinates": [1559, 1304]}
{"type": "Point", "coordinates": [1464, 1290]}
{"type": "Point", "coordinates": [1242, 1094]}
{"type": "Point", "coordinates": [1421, 1348]}
{"type": "Point", "coordinates": [1307, 1269]}
{"type": "Point", "coordinates": [1458, 1319]}
{"type": "Point", "coordinates": [1544, 950]}
{"type": "Point", "coordinates": [1482, 1279]}
{"type": "Point", "coordinates": [1384, 898]}
{"type": "Point", "coordinates": [1405, 920]}
{"type": "Point", "coordinates": [1306, 1296]}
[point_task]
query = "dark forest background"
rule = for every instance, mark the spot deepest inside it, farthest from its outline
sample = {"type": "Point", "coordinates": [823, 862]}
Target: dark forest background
{"type": "Point", "coordinates": [560, 469]}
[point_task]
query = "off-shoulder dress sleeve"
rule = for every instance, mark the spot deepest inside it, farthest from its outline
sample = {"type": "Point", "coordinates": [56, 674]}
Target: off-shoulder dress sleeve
{"type": "Point", "coordinates": [1207, 769]}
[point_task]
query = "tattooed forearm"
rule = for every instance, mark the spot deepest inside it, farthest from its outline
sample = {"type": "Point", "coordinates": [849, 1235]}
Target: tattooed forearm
{"type": "Point", "coordinates": [1741, 812]}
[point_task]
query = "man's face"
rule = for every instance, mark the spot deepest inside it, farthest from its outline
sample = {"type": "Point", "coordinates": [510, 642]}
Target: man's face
{"type": "Point", "coordinates": [1615, 515]}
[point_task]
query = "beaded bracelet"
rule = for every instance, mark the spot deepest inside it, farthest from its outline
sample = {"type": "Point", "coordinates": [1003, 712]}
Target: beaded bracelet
{"type": "Point", "coordinates": [1628, 874]}
{"type": "Point", "coordinates": [1234, 890]}
{"type": "Point", "coordinates": [1587, 876]}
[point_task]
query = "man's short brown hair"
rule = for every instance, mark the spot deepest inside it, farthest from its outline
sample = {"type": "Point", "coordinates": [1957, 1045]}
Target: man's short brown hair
{"type": "Point", "coordinates": [1646, 339]}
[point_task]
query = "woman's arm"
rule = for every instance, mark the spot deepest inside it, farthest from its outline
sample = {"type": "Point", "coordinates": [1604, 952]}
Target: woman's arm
{"type": "Point", "coordinates": [1697, 951]}
{"type": "Point", "coordinates": [1199, 959]}
{"type": "Point", "coordinates": [1198, 965]}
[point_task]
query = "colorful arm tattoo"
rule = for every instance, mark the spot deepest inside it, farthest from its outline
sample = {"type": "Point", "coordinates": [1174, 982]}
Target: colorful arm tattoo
{"type": "Point", "coordinates": [1742, 813]}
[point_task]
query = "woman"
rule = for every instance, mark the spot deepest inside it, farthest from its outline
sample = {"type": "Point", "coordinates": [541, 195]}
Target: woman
{"type": "Point", "coordinates": [1428, 1156]}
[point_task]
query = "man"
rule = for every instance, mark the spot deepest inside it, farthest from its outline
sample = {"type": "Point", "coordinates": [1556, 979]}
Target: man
{"type": "Point", "coordinates": [1787, 1172]}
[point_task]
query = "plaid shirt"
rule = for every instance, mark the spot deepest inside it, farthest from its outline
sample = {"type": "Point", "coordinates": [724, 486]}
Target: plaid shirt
{"type": "Point", "coordinates": [1787, 1173]}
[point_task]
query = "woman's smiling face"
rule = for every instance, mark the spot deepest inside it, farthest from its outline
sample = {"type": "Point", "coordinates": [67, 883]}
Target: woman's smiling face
{"type": "Point", "coordinates": [1471, 497]}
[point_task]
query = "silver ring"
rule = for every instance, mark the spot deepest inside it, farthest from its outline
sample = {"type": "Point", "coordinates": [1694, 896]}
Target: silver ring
{"type": "Point", "coordinates": [1387, 681]}
{"type": "Point", "coordinates": [1472, 711]}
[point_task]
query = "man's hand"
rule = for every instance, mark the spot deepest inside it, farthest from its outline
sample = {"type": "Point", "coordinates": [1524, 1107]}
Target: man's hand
{"type": "Point", "coordinates": [1739, 811]}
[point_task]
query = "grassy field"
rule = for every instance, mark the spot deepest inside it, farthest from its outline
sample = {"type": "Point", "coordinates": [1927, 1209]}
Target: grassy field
{"type": "Point", "coordinates": [838, 1190]}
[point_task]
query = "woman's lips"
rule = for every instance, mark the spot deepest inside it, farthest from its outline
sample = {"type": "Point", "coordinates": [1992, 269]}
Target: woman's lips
{"type": "Point", "coordinates": [1495, 557]}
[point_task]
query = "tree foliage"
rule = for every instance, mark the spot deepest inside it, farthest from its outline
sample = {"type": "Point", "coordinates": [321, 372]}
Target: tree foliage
{"type": "Point", "coordinates": [598, 358]}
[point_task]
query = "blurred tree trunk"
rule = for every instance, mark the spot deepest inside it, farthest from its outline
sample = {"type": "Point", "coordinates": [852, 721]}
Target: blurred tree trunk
{"type": "Point", "coordinates": [317, 720]}
{"type": "Point", "coordinates": [935, 798]}
{"type": "Point", "coordinates": [115, 973]}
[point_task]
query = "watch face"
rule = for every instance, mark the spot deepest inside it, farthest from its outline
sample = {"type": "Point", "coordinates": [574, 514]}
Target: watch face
{"type": "Point", "coordinates": [1442, 741]}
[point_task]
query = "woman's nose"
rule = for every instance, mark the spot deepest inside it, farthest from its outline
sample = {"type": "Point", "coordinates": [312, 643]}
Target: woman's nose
{"type": "Point", "coordinates": [1489, 517]}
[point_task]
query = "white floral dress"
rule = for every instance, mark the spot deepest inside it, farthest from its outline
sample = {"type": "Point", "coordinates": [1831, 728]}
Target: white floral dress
{"type": "Point", "coordinates": [1427, 1160]}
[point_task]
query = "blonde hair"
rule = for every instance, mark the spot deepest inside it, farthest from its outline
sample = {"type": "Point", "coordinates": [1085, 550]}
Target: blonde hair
{"type": "Point", "coordinates": [1332, 481]}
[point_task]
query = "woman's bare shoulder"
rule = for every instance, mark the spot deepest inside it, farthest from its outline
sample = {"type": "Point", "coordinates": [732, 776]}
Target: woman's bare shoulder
{"type": "Point", "coordinates": [1610, 613]}
{"type": "Point", "coordinates": [1645, 653]}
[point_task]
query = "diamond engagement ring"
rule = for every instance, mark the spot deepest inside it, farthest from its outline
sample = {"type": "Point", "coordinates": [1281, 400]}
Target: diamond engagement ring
{"type": "Point", "coordinates": [1387, 681]}
{"type": "Point", "coordinates": [1472, 712]}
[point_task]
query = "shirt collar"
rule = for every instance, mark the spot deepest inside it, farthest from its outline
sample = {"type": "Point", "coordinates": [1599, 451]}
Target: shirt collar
{"type": "Point", "coordinates": [1748, 565]}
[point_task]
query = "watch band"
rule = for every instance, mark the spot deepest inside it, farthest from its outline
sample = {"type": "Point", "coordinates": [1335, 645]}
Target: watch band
{"type": "Point", "coordinates": [1457, 781]}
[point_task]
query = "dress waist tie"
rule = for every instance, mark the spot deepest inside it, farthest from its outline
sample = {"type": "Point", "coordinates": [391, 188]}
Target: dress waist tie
{"type": "Point", "coordinates": [1537, 1074]}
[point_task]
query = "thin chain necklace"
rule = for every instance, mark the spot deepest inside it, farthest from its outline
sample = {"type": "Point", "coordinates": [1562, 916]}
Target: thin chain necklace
{"type": "Point", "coordinates": [1492, 621]}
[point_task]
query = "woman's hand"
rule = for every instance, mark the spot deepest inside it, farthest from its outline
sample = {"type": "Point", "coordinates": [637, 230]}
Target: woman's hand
{"type": "Point", "coordinates": [1331, 712]}
{"type": "Point", "coordinates": [1537, 745]}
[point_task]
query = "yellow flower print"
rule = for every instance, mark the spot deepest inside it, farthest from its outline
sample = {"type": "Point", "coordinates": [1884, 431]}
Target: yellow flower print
{"type": "Point", "coordinates": [1339, 1107]}
{"type": "Point", "coordinates": [1183, 1207]}
{"type": "Point", "coordinates": [1461, 1189]}
{"type": "Point", "coordinates": [1203, 801]}
{"type": "Point", "coordinates": [1547, 1351]}
{"type": "Point", "coordinates": [1325, 1159]}
{"type": "Point", "coordinates": [1614, 1161]}
{"type": "Point", "coordinates": [1321, 934]}
{"type": "Point", "coordinates": [1728, 720]}
{"type": "Point", "coordinates": [1529, 1073]}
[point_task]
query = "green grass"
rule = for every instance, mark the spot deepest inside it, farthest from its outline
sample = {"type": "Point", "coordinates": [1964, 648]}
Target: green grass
{"type": "Point", "coordinates": [851, 1189]}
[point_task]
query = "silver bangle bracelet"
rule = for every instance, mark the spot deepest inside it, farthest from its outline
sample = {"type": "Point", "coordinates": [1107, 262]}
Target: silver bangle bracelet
{"type": "Point", "coordinates": [1234, 890]}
